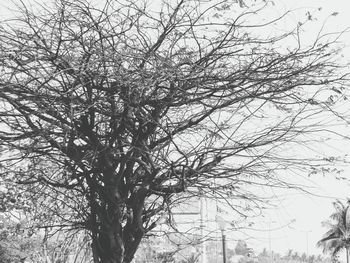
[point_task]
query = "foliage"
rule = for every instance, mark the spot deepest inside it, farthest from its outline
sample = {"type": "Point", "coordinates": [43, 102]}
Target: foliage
{"type": "Point", "coordinates": [241, 248]}
{"type": "Point", "coordinates": [19, 243]}
{"type": "Point", "coordinates": [193, 258]}
{"type": "Point", "coordinates": [291, 257]}
{"type": "Point", "coordinates": [337, 237]}
{"type": "Point", "coordinates": [112, 113]}
{"type": "Point", "coordinates": [16, 242]}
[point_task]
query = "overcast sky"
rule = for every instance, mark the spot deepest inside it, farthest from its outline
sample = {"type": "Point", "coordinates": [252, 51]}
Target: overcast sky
{"type": "Point", "coordinates": [309, 211]}
{"type": "Point", "coordinates": [300, 214]}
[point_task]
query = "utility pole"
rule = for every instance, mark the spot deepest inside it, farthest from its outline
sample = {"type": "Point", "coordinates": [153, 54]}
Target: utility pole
{"type": "Point", "coordinates": [223, 245]}
{"type": "Point", "coordinates": [270, 246]}
{"type": "Point", "coordinates": [221, 222]}
{"type": "Point", "coordinates": [203, 245]}
{"type": "Point", "coordinates": [270, 242]}
{"type": "Point", "coordinates": [307, 243]}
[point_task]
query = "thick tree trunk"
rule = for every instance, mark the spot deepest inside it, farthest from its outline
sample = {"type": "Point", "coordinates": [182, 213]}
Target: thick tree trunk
{"type": "Point", "coordinates": [131, 247]}
{"type": "Point", "coordinates": [134, 231]}
{"type": "Point", "coordinates": [108, 246]}
{"type": "Point", "coordinates": [114, 242]}
{"type": "Point", "coordinates": [114, 252]}
{"type": "Point", "coordinates": [94, 251]}
{"type": "Point", "coordinates": [107, 233]}
{"type": "Point", "coordinates": [347, 255]}
{"type": "Point", "coordinates": [116, 215]}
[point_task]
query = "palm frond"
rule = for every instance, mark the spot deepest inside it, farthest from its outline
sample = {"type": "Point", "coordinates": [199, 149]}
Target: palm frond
{"type": "Point", "coordinates": [338, 235]}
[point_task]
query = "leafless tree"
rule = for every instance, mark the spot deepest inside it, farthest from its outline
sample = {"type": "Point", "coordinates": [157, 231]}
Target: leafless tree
{"type": "Point", "coordinates": [116, 110]}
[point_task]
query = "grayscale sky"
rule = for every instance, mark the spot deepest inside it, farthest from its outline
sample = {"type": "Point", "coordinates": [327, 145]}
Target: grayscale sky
{"type": "Point", "coordinates": [295, 222]}
{"type": "Point", "coordinates": [309, 211]}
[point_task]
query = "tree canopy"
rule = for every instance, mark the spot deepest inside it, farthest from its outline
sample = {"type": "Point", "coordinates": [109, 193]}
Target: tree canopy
{"type": "Point", "coordinates": [111, 113]}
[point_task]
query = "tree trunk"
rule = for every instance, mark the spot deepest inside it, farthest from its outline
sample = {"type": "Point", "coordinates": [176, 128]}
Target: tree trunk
{"type": "Point", "coordinates": [116, 218]}
{"type": "Point", "coordinates": [112, 242]}
{"type": "Point", "coordinates": [109, 245]}
{"type": "Point", "coordinates": [131, 247]}
{"type": "Point", "coordinates": [347, 255]}
{"type": "Point", "coordinates": [107, 233]}
{"type": "Point", "coordinates": [134, 231]}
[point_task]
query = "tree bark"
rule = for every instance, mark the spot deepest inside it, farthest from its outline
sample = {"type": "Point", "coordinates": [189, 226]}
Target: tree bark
{"type": "Point", "coordinates": [109, 244]}
{"type": "Point", "coordinates": [134, 231]}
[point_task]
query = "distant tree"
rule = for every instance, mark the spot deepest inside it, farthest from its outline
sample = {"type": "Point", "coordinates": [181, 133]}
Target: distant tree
{"type": "Point", "coordinates": [337, 237]}
{"type": "Point", "coordinates": [319, 258]}
{"type": "Point", "coordinates": [264, 253]}
{"type": "Point", "coordinates": [303, 257]}
{"type": "Point", "coordinates": [295, 256]}
{"type": "Point", "coordinates": [230, 252]}
{"type": "Point", "coordinates": [113, 112]}
{"type": "Point", "coordinates": [241, 248]}
{"type": "Point", "coordinates": [276, 256]}
{"type": "Point", "coordinates": [289, 254]}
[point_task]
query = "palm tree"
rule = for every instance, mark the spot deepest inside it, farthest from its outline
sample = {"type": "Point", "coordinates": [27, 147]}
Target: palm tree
{"type": "Point", "coordinates": [337, 237]}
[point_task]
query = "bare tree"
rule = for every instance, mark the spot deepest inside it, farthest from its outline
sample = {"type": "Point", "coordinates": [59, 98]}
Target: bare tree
{"type": "Point", "coordinates": [117, 110]}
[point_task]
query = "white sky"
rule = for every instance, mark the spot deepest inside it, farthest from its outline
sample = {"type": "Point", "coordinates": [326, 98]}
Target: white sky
{"type": "Point", "coordinates": [307, 210]}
